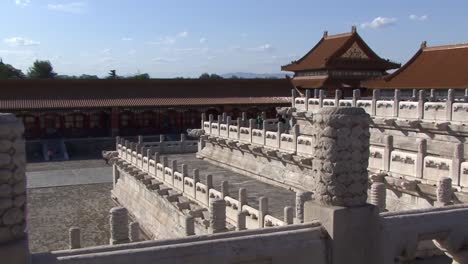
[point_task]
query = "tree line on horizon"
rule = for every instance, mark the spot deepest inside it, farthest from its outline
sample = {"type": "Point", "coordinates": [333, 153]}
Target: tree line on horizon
{"type": "Point", "coordinates": [43, 69]}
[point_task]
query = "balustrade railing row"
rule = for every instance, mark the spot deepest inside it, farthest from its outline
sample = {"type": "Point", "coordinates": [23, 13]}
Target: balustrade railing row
{"type": "Point", "coordinates": [150, 162]}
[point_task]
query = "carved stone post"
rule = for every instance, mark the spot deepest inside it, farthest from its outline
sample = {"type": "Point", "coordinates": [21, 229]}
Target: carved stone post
{"type": "Point", "coordinates": [293, 97]}
{"type": "Point", "coordinates": [456, 163]}
{"type": "Point", "coordinates": [74, 238]}
{"type": "Point", "coordinates": [13, 238]}
{"type": "Point", "coordinates": [449, 103]}
{"type": "Point", "coordinates": [263, 211]}
{"type": "Point", "coordinates": [321, 97]}
{"type": "Point", "coordinates": [375, 98]}
{"type": "Point", "coordinates": [149, 154]}
{"type": "Point", "coordinates": [196, 178]}
{"type": "Point", "coordinates": [251, 126]}
{"type": "Point", "coordinates": [203, 120]}
{"type": "Point", "coordinates": [338, 95]}
{"type": "Point", "coordinates": [242, 198]}
{"type": "Point", "coordinates": [240, 221]}
{"type": "Point", "coordinates": [432, 96]}
{"type": "Point", "coordinates": [174, 169]}
{"type": "Point", "coordinates": [444, 191]}
{"type": "Point", "coordinates": [140, 139]}
{"type": "Point", "coordinates": [356, 96]}
{"type": "Point", "coordinates": [301, 198]}
{"type": "Point", "coordinates": [341, 130]}
{"type": "Point", "coordinates": [307, 96]}
{"type": "Point", "coordinates": [414, 96]}
{"type": "Point", "coordinates": [224, 116]}
{"type": "Point", "coordinates": [421, 101]}
{"type": "Point", "coordinates": [161, 138]}
{"type": "Point", "coordinates": [118, 225]}
{"type": "Point", "coordinates": [316, 93]}
{"type": "Point", "coordinates": [156, 157]}
{"type": "Point", "coordinates": [117, 142]}
{"type": "Point", "coordinates": [225, 188]}
{"type": "Point", "coordinates": [388, 141]}
{"type": "Point", "coordinates": [378, 195]}
{"type": "Point", "coordinates": [209, 185]}
{"type": "Point", "coordinates": [341, 154]}
{"type": "Point", "coordinates": [134, 232]}
{"type": "Point", "coordinates": [244, 118]}
{"type": "Point", "coordinates": [184, 174]}
{"type": "Point", "coordinates": [396, 103]}
{"type": "Point", "coordinates": [189, 226]}
{"type": "Point", "coordinates": [422, 149]}
{"type": "Point", "coordinates": [217, 216]}
{"type": "Point", "coordinates": [288, 215]}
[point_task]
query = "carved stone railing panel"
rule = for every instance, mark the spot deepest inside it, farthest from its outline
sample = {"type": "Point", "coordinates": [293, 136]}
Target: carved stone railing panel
{"type": "Point", "coordinates": [251, 217]}
{"type": "Point", "coordinates": [304, 145]}
{"type": "Point", "coordinates": [287, 143]}
{"type": "Point", "coordinates": [314, 105]}
{"type": "Point", "coordinates": [376, 159]}
{"type": "Point", "coordinates": [408, 110]}
{"type": "Point", "coordinates": [403, 163]}
{"type": "Point", "coordinates": [300, 104]}
{"type": "Point", "coordinates": [223, 131]}
{"type": "Point", "coordinates": [271, 139]}
{"type": "Point", "coordinates": [329, 103]}
{"type": "Point", "coordinates": [384, 108]}
{"type": "Point", "coordinates": [435, 111]}
{"type": "Point", "coordinates": [258, 137]}
{"type": "Point", "coordinates": [435, 168]}
{"type": "Point", "coordinates": [460, 112]}
{"type": "Point", "coordinates": [366, 105]}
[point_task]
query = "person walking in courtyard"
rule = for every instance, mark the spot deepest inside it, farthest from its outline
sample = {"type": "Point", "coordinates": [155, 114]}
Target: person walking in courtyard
{"type": "Point", "coordinates": [259, 121]}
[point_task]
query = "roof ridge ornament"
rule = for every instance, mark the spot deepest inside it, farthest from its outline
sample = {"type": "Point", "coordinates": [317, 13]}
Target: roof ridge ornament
{"type": "Point", "coordinates": [325, 34]}
{"type": "Point", "coordinates": [424, 44]}
{"type": "Point", "coordinates": [353, 29]}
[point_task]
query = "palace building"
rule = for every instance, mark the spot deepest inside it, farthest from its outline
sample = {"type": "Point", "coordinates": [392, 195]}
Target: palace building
{"type": "Point", "coordinates": [438, 67]}
{"type": "Point", "coordinates": [102, 108]}
{"type": "Point", "coordinates": [338, 61]}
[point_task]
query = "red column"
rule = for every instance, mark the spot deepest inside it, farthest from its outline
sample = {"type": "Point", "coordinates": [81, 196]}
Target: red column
{"type": "Point", "coordinates": [114, 122]}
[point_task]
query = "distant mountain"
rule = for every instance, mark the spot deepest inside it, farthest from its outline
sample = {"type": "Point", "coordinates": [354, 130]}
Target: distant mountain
{"type": "Point", "coordinates": [250, 75]}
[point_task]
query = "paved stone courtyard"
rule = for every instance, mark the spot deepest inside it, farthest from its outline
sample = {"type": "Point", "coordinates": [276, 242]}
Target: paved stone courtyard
{"type": "Point", "coordinates": [65, 194]}
{"type": "Point", "coordinates": [77, 193]}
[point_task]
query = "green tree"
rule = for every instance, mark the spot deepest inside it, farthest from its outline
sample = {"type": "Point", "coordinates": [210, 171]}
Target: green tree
{"type": "Point", "coordinates": [204, 76]}
{"type": "Point", "coordinates": [88, 77]}
{"type": "Point", "coordinates": [41, 70]}
{"type": "Point", "coordinates": [210, 76]}
{"type": "Point", "coordinates": [9, 72]}
{"type": "Point", "coordinates": [112, 75]}
{"type": "Point", "coordinates": [140, 76]}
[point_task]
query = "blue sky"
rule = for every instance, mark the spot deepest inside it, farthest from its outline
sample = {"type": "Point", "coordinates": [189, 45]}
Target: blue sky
{"type": "Point", "coordinates": [187, 38]}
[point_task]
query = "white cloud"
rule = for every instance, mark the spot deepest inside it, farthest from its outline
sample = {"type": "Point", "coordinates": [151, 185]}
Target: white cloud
{"type": "Point", "coordinates": [379, 22]}
{"type": "Point", "coordinates": [182, 34]}
{"type": "Point", "coordinates": [22, 2]}
{"type": "Point", "coordinates": [19, 41]}
{"type": "Point", "coordinates": [262, 48]}
{"type": "Point", "coordinates": [202, 40]}
{"type": "Point", "coordinates": [127, 39]}
{"type": "Point", "coordinates": [106, 51]}
{"type": "Point", "coordinates": [168, 40]}
{"type": "Point", "coordinates": [74, 7]}
{"type": "Point", "coordinates": [418, 18]}
{"type": "Point", "coordinates": [163, 60]}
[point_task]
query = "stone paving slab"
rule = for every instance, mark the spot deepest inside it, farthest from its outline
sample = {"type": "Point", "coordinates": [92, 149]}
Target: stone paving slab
{"type": "Point", "coordinates": [278, 197]}
{"type": "Point", "coordinates": [52, 211]}
{"type": "Point", "coordinates": [40, 179]}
